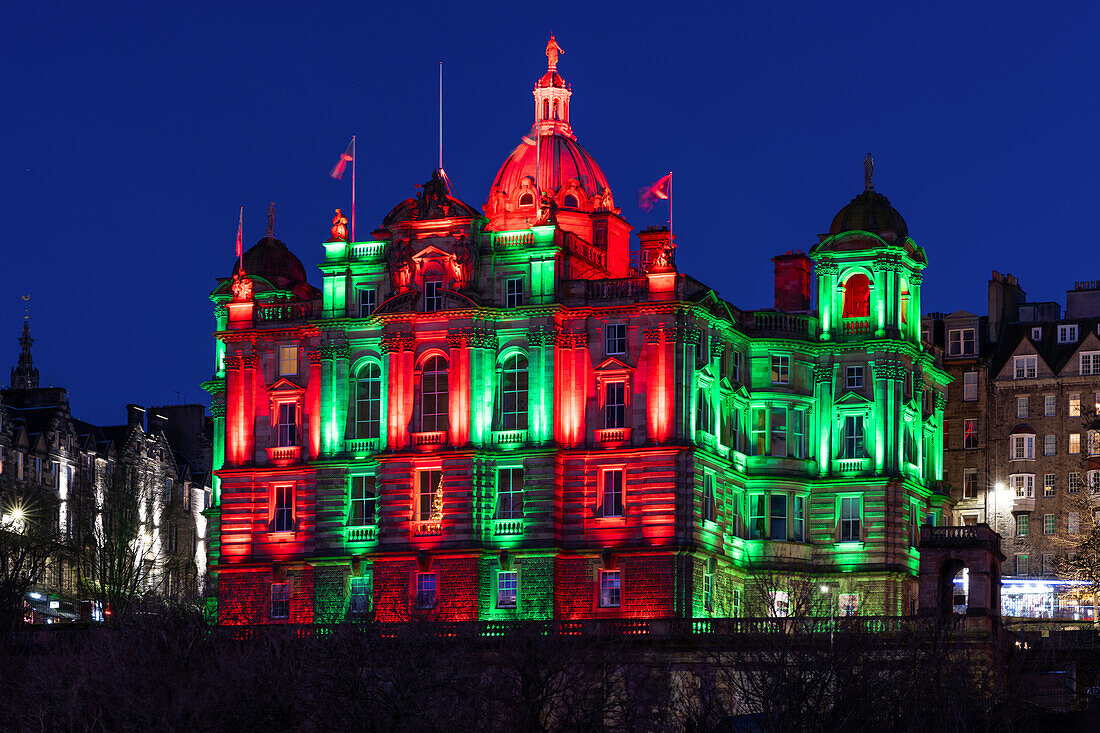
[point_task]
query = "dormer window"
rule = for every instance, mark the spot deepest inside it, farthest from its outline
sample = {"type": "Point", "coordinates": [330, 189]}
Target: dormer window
{"type": "Point", "coordinates": [1024, 367]}
{"type": "Point", "coordinates": [961, 342]}
{"type": "Point", "coordinates": [1037, 333]}
{"type": "Point", "coordinates": [1067, 334]}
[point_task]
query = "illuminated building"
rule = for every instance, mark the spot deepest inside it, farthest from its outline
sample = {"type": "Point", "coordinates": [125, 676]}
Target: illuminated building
{"type": "Point", "coordinates": [1019, 453]}
{"type": "Point", "coordinates": [509, 414]}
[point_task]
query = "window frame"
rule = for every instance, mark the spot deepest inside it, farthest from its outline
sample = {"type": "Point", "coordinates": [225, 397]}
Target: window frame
{"type": "Point", "coordinates": [370, 427]}
{"type": "Point", "coordinates": [970, 483]}
{"type": "Point", "coordinates": [1088, 363]}
{"type": "Point", "coordinates": [368, 300]}
{"type": "Point", "coordinates": [439, 419]}
{"type": "Point", "coordinates": [853, 376]}
{"type": "Point", "coordinates": [781, 369]}
{"type": "Point", "coordinates": [283, 515]}
{"type": "Point", "coordinates": [280, 612]}
{"type": "Point", "coordinates": [853, 442]}
{"type": "Point", "coordinates": [514, 391]}
{"type": "Point", "coordinates": [355, 607]}
{"type": "Point", "coordinates": [1022, 406]}
{"type": "Point", "coordinates": [614, 339]}
{"type": "Point", "coordinates": [425, 583]}
{"type": "Point", "coordinates": [1025, 366]}
{"type": "Point", "coordinates": [365, 498]}
{"type": "Point", "coordinates": [614, 404]}
{"type": "Point", "coordinates": [970, 387]}
{"type": "Point", "coordinates": [433, 295]}
{"type": "Point", "coordinates": [958, 346]}
{"type": "Point", "coordinates": [845, 523]}
{"type": "Point", "coordinates": [288, 356]}
{"type": "Point", "coordinates": [513, 292]}
{"type": "Point", "coordinates": [609, 588]}
{"type": "Point", "coordinates": [1067, 333]}
{"type": "Point", "coordinates": [504, 601]}
{"type": "Point", "coordinates": [509, 499]}
{"type": "Point", "coordinates": [616, 494]}
{"type": "Point", "coordinates": [1021, 447]}
{"type": "Point", "coordinates": [428, 481]}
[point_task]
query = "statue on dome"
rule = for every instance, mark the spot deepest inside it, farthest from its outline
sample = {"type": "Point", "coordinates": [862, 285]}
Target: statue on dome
{"type": "Point", "coordinates": [433, 201]}
{"type": "Point", "coordinates": [399, 263]}
{"type": "Point", "coordinates": [270, 220]}
{"type": "Point", "coordinates": [868, 172]}
{"type": "Point", "coordinates": [242, 286]}
{"type": "Point", "coordinates": [548, 210]}
{"type": "Point", "coordinates": [552, 52]}
{"type": "Point", "coordinates": [339, 227]}
{"type": "Point", "coordinates": [463, 262]}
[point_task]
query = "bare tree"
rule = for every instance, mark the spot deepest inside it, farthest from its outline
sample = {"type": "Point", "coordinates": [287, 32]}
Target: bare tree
{"type": "Point", "coordinates": [27, 544]}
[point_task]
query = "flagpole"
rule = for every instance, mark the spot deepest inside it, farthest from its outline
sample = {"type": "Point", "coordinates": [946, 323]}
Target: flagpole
{"type": "Point", "coordinates": [670, 206]}
{"type": "Point", "coordinates": [240, 242]}
{"type": "Point", "coordinates": [440, 115]}
{"type": "Point", "coordinates": [354, 155]}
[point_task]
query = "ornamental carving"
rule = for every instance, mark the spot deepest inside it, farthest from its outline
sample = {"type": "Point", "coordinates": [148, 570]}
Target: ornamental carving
{"type": "Point", "coordinates": [455, 338]}
{"type": "Point", "coordinates": [339, 230]}
{"type": "Point", "coordinates": [653, 335]}
{"type": "Point", "coordinates": [941, 402]}
{"type": "Point", "coordinates": [339, 351]}
{"type": "Point", "coordinates": [390, 342]}
{"type": "Point", "coordinates": [315, 356]}
{"type": "Point", "coordinates": [717, 348]}
{"type": "Point", "coordinates": [828, 268]}
{"type": "Point", "coordinates": [540, 336]}
{"type": "Point", "coordinates": [408, 341]}
{"type": "Point", "coordinates": [242, 287]}
{"type": "Point", "coordinates": [221, 312]}
{"type": "Point", "coordinates": [463, 263]}
{"type": "Point", "coordinates": [475, 337]}
{"type": "Point", "coordinates": [249, 361]}
{"type": "Point", "coordinates": [689, 335]}
{"type": "Point", "coordinates": [823, 374]}
{"type": "Point", "coordinates": [571, 340]}
{"type": "Point", "coordinates": [915, 279]}
{"type": "Point", "coordinates": [889, 370]}
{"type": "Point", "coordinates": [217, 409]}
{"type": "Point", "coordinates": [232, 361]}
{"type": "Point", "coordinates": [400, 265]}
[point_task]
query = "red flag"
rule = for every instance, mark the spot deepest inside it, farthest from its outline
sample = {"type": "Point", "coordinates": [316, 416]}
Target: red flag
{"type": "Point", "coordinates": [346, 157]}
{"type": "Point", "coordinates": [240, 233]}
{"type": "Point", "coordinates": [659, 190]}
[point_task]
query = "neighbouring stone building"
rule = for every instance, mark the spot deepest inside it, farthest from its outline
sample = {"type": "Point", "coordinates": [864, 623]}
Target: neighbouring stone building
{"type": "Point", "coordinates": [1019, 451]}
{"type": "Point", "coordinates": [54, 469]}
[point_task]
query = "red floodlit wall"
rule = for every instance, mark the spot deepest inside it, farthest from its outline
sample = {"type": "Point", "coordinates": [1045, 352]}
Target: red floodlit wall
{"type": "Point", "coordinates": [647, 590]}
{"type": "Point", "coordinates": [456, 589]}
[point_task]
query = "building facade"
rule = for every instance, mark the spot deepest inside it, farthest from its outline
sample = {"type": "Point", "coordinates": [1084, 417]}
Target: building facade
{"type": "Point", "coordinates": [57, 471]}
{"type": "Point", "coordinates": [507, 413]}
{"type": "Point", "coordinates": [1021, 440]}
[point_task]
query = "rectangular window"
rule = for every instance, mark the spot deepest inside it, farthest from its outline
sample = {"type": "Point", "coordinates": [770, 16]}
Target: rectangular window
{"type": "Point", "coordinates": [1023, 484]}
{"type": "Point", "coordinates": [736, 602]}
{"type": "Point", "coordinates": [1024, 367]}
{"type": "Point", "coordinates": [1067, 334]}
{"type": "Point", "coordinates": [361, 595]}
{"type": "Point", "coordinates": [1021, 564]}
{"type": "Point", "coordinates": [781, 370]}
{"type": "Point", "coordinates": [362, 501]}
{"type": "Point", "coordinates": [612, 504]}
{"type": "Point", "coordinates": [1073, 523]}
{"type": "Point", "coordinates": [1021, 524]}
{"type": "Point", "coordinates": [1074, 483]}
{"type": "Point", "coordinates": [853, 377]}
{"type": "Point", "coordinates": [970, 433]}
{"type": "Point", "coordinates": [759, 431]}
{"type": "Point", "coordinates": [513, 292]}
{"type": "Point", "coordinates": [283, 515]}
{"type": "Point", "coordinates": [19, 465]}
{"type": "Point", "coordinates": [1023, 447]}
{"type": "Point", "coordinates": [708, 591]}
{"type": "Point", "coordinates": [960, 342]}
{"type": "Point", "coordinates": [615, 338]}
{"type": "Point", "coordinates": [736, 366]}
{"type": "Point", "coordinates": [853, 436]}
{"type": "Point", "coordinates": [1021, 406]}
{"type": "Point", "coordinates": [914, 524]}
{"type": "Point", "coordinates": [1092, 443]}
{"type": "Point", "coordinates": [1092, 480]}
{"type": "Point", "coordinates": [757, 518]}
{"type": "Point", "coordinates": [287, 429]}
{"type": "Point", "coordinates": [1048, 524]}
{"type": "Point", "coordinates": [507, 588]}
{"type": "Point", "coordinates": [850, 519]}
{"type": "Point", "coordinates": [970, 386]}
{"type": "Point", "coordinates": [1075, 405]}
{"type": "Point", "coordinates": [609, 588]}
{"type": "Point", "coordinates": [1074, 443]}
{"type": "Point", "coordinates": [433, 296]}
{"type": "Point", "coordinates": [280, 600]}
{"type": "Point", "coordinates": [1090, 362]}
{"type": "Point", "coordinates": [799, 519]}
{"type": "Point", "coordinates": [1048, 563]}
{"type": "Point", "coordinates": [779, 431]}
{"type": "Point", "coordinates": [614, 408]}
{"type": "Point", "coordinates": [708, 508]}
{"type": "Point", "coordinates": [1050, 443]}
{"type": "Point", "coordinates": [1049, 403]}
{"type": "Point", "coordinates": [368, 300]}
{"type": "Point", "coordinates": [1050, 484]}
{"type": "Point", "coordinates": [1037, 334]}
{"type": "Point", "coordinates": [37, 470]}
{"type": "Point", "coordinates": [428, 483]}
{"type": "Point", "coordinates": [970, 483]}
{"type": "Point", "coordinates": [778, 517]}
{"type": "Point", "coordinates": [510, 493]}
{"type": "Point", "coordinates": [798, 433]}
{"type": "Point", "coordinates": [288, 361]}
{"type": "Point", "coordinates": [425, 590]}
{"type": "Point", "coordinates": [55, 474]}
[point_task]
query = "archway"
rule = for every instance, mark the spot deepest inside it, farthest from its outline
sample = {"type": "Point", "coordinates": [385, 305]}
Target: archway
{"type": "Point", "coordinates": [857, 296]}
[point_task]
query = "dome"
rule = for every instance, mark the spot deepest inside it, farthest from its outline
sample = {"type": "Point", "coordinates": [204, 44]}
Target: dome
{"type": "Point", "coordinates": [563, 158]}
{"type": "Point", "coordinates": [272, 260]}
{"type": "Point", "coordinates": [870, 212]}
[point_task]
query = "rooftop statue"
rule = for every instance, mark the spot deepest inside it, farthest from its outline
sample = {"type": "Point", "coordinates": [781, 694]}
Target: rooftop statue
{"type": "Point", "coordinates": [868, 172]}
{"type": "Point", "coordinates": [339, 229]}
{"type": "Point", "coordinates": [553, 50]}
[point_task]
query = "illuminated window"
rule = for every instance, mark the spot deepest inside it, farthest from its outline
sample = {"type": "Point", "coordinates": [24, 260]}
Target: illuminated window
{"type": "Point", "coordinates": [1074, 483]}
{"type": "Point", "coordinates": [758, 432]}
{"type": "Point", "coordinates": [19, 465]}
{"type": "Point", "coordinates": [1050, 484]}
{"type": "Point", "coordinates": [1067, 334]}
{"type": "Point", "coordinates": [853, 377]}
{"type": "Point", "coordinates": [781, 370]}
{"type": "Point", "coordinates": [1050, 443]}
{"type": "Point", "coordinates": [513, 393]}
{"type": "Point", "coordinates": [1090, 362]}
{"type": "Point", "coordinates": [708, 591]}
{"type": "Point", "coordinates": [799, 519]}
{"type": "Point", "coordinates": [914, 524]}
{"type": "Point", "coordinates": [361, 595]}
{"type": "Point", "coordinates": [1092, 480]}
{"type": "Point", "coordinates": [614, 406]}
{"type": "Point", "coordinates": [970, 386]}
{"type": "Point", "coordinates": [798, 433]}
{"type": "Point", "coordinates": [1074, 443]}
{"type": "Point", "coordinates": [904, 297]}
{"type": "Point", "coordinates": [510, 493]}
{"type": "Point", "coordinates": [433, 296]}
{"type": "Point", "coordinates": [853, 436]}
{"type": "Point", "coordinates": [757, 516]}
{"type": "Point", "coordinates": [708, 509]}
{"type": "Point", "coordinates": [1048, 524]}
{"type": "Point", "coordinates": [780, 606]}
{"type": "Point", "coordinates": [428, 483]}
{"type": "Point", "coordinates": [615, 339]}
{"type": "Point", "coordinates": [779, 431]}
{"type": "Point", "coordinates": [1024, 367]}
{"type": "Point", "coordinates": [368, 402]}
{"type": "Point", "coordinates": [611, 498]}
{"type": "Point", "coordinates": [736, 602]}
{"type": "Point", "coordinates": [507, 588]}
{"type": "Point", "coordinates": [1021, 406]}
{"type": "Point", "coordinates": [362, 500]}
{"type": "Point", "coordinates": [368, 298]}
{"type": "Point", "coordinates": [288, 361]}
{"type": "Point", "coordinates": [1023, 447]}
{"type": "Point", "coordinates": [433, 395]}
{"type": "Point", "coordinates": [970, 433]}
{"type": "Point", "coordinates": [778, 517]}
{"type": "Point", "coordinates": [283, 511]}
{"type": "Point", "coordinates": [280, 600]}
{"type": "Point", "coordinates": [609, 588]}
{"type": "Point", "coordinates": [425, 590]}
{"type": "Point", "coordinates": [1073, 522]}
{"type": "Point", "coordinates": [847, 604]}
{"type": "Point", "coordinates": [851, 518]}
{"type": "Point", "coordinates": [1022, 521]}
{"type": "Point", "coordinates": [1023, 484]}
{"type": "Point", "coordinates": [287, 428]}
{"type": "Point", "coordinates": [970, 483]}
{"type": "Point", "coordinates": [1092, 442]}
{"type": "Point", "coordinates": [857, 296]}
{"type": "Point", "coordinates": [1021, 564]}
{"type": "Point", "coordinates": [514, 292]}
{"type": "Point", "coordinates": [961, 342]}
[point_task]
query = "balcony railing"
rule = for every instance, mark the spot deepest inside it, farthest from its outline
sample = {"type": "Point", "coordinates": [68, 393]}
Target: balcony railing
{"type": "Point", "coordinates": [792, 323]}
{"type": "Point", "coordinates": [605, 436]}
{"type": "Point", "coordinates": [363, 533]}
{"type": "Point", "coordinates": [506, 527]}
{"type": "Point", "coordinates": [617, 289]}
{"type": "Point", "coordinates": [284, 455]}
{"type": "Point", "coordinates": [429, 440]}
{"type": "Point", "coordinates": [509, 436]}
{"type": "Point", "coordinates": [282, 311]}
{"type": "Point", "coordinates": [513, 239]}
{"type": "Point", "coordinates": [431, 528]}
{"type": "Point", "coordinates": [851, 465]}
{"type": "Point", "coordinates": [361, 445]}
{"type": "Point", "coordinates": [854, 328]}
{"type": "Point", "coordinates": [367, 250]}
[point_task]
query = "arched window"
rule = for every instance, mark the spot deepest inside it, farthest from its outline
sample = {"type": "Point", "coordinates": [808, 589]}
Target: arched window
{"type": "Point", "coordinates": [546, 109]}
{"type": "Point", "coordinates": [555, 109]}
{"type": "Point", "coordinates": [703, 411]}
{"type": "Point", "coordinates": [433, 395]}
{"type": "Point", "coordinates": [570, 202]}
{"type": "Point", "coordinates": [857, 296]}
{"type": "Point", "coordinates": [513, 393]}
{"type": "Point", "coordinates": [368, 402]}
{"type": "Point", "coordinates": [526, 200]}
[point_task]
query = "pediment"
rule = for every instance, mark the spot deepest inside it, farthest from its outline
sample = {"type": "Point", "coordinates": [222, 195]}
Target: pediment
{"type": "Point", "coordinates": [285, 387]}
{"type": "Point", "coordinates": [611, 364]}
{"type": "Point", "coordinates": [854, 398]}
{"type": "Point", "coordinates": [431, 252]}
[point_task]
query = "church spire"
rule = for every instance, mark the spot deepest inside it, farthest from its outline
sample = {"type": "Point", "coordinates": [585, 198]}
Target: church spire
{"type": "Point", "coordinates": [25, 375]}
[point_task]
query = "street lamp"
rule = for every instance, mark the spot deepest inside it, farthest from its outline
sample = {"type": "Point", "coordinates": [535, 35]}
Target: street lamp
{"type": "Point", "coordinates": [832, 613]}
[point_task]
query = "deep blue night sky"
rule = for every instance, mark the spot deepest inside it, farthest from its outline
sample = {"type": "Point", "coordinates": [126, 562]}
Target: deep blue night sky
{"type": "Point", "coordinates": [131, 137]}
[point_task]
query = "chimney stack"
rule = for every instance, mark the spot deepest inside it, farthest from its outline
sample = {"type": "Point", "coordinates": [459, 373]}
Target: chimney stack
{"type": "Point", "coordinates": [135, 416]}
{"type": "Point", "coordinates": [792, 282]}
